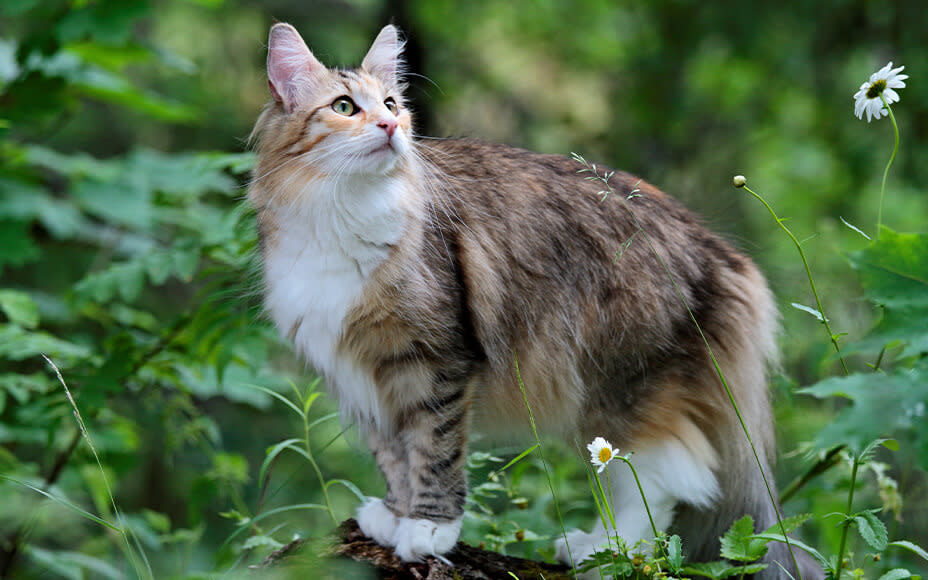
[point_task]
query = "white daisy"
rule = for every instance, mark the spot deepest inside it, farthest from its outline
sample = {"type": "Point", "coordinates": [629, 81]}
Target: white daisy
{"type": "Point", "coordinates": [601, 453]}
{"type": "Point", "coordinates": [882, 82]}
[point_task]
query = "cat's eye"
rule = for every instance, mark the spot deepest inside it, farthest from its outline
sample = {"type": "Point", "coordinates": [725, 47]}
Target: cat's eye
{"type": "Point", "coordinates": [391, 105]}
{"type": "Point", "coordinates": [344, 106]}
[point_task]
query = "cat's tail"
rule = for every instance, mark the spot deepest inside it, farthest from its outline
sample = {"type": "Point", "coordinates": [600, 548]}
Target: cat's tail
{"type": "Point", "coordinates": [743, 343]}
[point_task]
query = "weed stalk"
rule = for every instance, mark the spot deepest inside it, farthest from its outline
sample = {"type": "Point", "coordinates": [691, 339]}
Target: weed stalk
{"type": "Point", "coordinates": [818, 301]}
{"type": "Point", "coordinates": [544, 462]}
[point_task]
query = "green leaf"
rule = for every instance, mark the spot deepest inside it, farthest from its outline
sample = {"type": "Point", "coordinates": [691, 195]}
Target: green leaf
{"type": "Point", "coordinates": [675, 552]}
{"type": "Point", "coordinates": [158, 521]}
{"type": "Point", "coordinates": [518, 458]}
{"type": "Point", "coordinates": [739, 544]}
{"type": "Point", "coordinates": [17, 343]}
{"type": "Point", "coordinates": [125, 280]}
{"type": "Point", "coordinates": [322, 419]}
{"type": "Point", "coordinates": [907, 545]}
{"type": "Point", "coordinates": [894, 269]}
{"type": "Point", "coordinates": [244, 524]}
{"type": "Point", "coordinates": [896, 574]}
{"type": "Point", "coordinates": [818, 315]}
{"type": "Point", "coordinates": [894, 273]}
{"type": "Point", "coordinates": [719, 569]}
{"type": "Point", "coordinates": [106, 21]}
{"type": "Point", "coordinates": [347, 485]}
{"type": "Point", "coordinates": [19, 308]}
{"type": "Point", "coordinates": [872, 530]}
{"type": "Point", "coordinates": [261, 541]}
{"type": "Point", "coordinates": [98, 83]}
{"type": "Point", "coordinates": [797, 544]}
{"type": "Point", "coordinates": [898, 399]}
{"type": "Point", "coordinates": [308, 403]}
{"type": "Point", "coordinates": [272, 454]}
{"type": "Point", "coordinates": [123, 201]}
{"type": "Point", "coordinates": [791, 524]}
{"type": "Point", "coordinates": [280, 398]}
{"type": "Point", "coordinates": [75, 565]}
{"type": "Point", "coordinates": [16, 245]}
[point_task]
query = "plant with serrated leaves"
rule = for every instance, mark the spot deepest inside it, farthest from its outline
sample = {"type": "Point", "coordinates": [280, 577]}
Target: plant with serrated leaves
{"type": "Point", "coordinates": [131, 274]}
{"type": "Point", "coordinates": [301, 402]}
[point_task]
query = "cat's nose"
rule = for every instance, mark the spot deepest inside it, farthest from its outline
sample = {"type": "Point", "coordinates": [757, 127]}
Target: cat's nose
{"type": "Point", "coordinates": [388, 125]}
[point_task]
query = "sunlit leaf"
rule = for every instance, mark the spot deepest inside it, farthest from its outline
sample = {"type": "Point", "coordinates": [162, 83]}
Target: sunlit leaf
{"type": "Point", "coordinates": [896, 574]}
{"type": "Point", "coordinates": [894, 273]}
{"type": "Point", "coordinates": [19, 308]}
{"type": "Point", "coordinates": [907, 545]}
{"type": "Point", "coordinates": [899, 399]}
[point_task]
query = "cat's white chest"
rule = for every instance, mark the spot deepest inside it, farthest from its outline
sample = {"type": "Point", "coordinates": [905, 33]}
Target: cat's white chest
{"type": "Point", "coordinates": [316, 267]}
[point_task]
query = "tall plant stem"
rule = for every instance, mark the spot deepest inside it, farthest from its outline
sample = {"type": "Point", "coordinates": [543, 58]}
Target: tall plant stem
{"type": "Point", "coordinates": [818, 301]}
{"type": "Point", "coordinates": [879, 211]}
{"type": "Point", "coordinates": [847, 521]}
{"type": "Point", "coordinates": [312, 461]}
{"type": "Point", "coordinates": [544, 462]}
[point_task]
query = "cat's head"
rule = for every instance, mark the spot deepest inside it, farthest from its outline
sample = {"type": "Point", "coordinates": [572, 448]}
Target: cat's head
{"type": "Point", "coordinates": [336, 122]}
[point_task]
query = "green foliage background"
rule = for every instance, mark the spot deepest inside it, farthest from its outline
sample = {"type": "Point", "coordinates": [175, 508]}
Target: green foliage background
{"type": "Point", "coordinates": [127, 257]}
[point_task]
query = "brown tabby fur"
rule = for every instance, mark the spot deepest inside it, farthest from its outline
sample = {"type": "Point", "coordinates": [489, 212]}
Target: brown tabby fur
{"type": "Point", "coordinates": [509, 255]}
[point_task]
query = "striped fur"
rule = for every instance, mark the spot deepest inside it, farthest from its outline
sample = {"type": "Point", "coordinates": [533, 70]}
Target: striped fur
{"type": "Point", "coordinates": [413, 274]}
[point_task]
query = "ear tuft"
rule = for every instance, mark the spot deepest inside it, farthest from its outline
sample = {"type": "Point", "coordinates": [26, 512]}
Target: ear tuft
{"type": "Point", "coordinates": [384, 59]}
{"type": "Point", "coordinates": [291, 67]}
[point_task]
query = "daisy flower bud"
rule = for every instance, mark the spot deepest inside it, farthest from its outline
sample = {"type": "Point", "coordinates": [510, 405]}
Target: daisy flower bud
{"type": "Point", "coordinates": [882, 83]}
{"type": "Point", "coordinates": [739, 181]}
{"type": "Point", "coordinates": [601, 453]}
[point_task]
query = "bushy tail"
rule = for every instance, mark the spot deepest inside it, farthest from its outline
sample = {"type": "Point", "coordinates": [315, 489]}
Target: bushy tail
{"type": "Point", "coordinates": [745, 351]}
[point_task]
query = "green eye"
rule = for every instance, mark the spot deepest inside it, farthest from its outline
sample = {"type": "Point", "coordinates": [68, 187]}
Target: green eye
{"type": "Point", "coordinates": [344, 106]}
{"type": "Point", "coordinates": [391, 105]}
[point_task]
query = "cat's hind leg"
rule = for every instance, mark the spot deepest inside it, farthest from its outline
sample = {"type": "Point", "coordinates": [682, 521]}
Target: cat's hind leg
{"type": "Point", "coordinates": [670, 472]}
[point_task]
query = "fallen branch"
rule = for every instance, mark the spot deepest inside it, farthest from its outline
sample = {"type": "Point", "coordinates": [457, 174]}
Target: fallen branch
{"type": "Point", "coordinates": [470, 563]}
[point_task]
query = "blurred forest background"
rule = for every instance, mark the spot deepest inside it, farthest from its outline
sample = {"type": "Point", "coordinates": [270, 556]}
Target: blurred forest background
{"type": "Point", "coordinates": [127, 255]}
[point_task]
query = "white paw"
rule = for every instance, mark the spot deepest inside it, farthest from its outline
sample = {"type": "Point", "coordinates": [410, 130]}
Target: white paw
{"type": "Point", "coordinates": [582, 546]}
{"type": "Point", "coordinates": [377, 521]}
{"type": "Point", "coordinates": [415, 539]}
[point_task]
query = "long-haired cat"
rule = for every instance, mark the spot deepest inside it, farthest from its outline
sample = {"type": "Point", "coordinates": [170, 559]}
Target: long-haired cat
{"type": "Point", "coordinates": [413, 276]}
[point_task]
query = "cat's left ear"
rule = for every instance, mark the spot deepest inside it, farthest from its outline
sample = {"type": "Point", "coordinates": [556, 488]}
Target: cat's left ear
{"type": "Point", "coordinates": [384, 60]}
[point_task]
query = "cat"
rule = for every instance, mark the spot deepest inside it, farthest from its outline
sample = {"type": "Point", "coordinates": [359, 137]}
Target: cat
{"type": "Point", "coordinates": [415, 275]}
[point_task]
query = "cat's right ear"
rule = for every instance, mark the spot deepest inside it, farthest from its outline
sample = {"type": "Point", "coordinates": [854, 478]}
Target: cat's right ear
{"type": "Point", "coordinates": [291, 67]}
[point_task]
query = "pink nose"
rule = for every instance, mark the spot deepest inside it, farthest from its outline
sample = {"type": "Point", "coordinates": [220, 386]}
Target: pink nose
{"type": "Point", "coordinates": [388, 125]}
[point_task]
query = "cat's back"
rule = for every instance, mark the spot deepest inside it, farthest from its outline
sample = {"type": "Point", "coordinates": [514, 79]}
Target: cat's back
{"type": "Point", "coordinates": [518, 188]}
{"type": "Point", "coordinates": [580, 272]}
{"type": "Point", "coordinates": [574, 226]}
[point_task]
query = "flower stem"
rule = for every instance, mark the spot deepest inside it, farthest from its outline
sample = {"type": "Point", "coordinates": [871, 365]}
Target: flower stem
{"type": "Point", "coordinates": [818, 301]}
{"type": "Point", "coordinates": [647, 510]}
{"type": "Point", "coordinates": [847, 520]}
{"type": "Point", "coordinates": [879, 211]}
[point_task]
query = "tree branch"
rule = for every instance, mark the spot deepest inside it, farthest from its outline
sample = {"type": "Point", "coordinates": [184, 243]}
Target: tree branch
{"type": "Point", "coordinates": [470, 563]}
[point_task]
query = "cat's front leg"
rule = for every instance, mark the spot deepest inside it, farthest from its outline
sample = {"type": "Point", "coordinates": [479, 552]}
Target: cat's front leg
{"type": "Point", "coordinates": [436, 438]}
{"type": "Point", "coordinates": [379, 518]}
